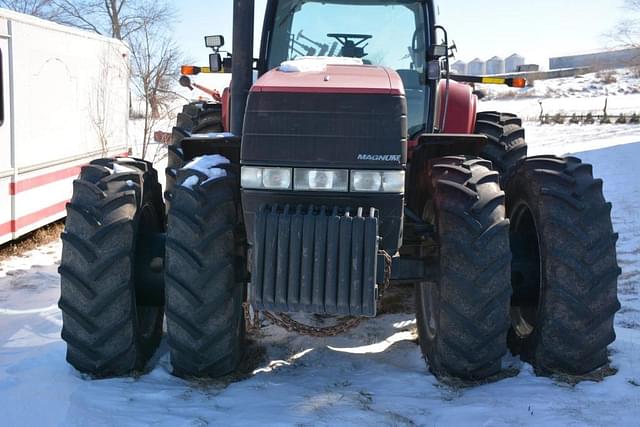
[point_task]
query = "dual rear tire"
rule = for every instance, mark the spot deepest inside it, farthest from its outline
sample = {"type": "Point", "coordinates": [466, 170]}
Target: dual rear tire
{"type": "Point", "coordinates": [110, 323]}
{"type": "Point", "coordinates": [531, 269]}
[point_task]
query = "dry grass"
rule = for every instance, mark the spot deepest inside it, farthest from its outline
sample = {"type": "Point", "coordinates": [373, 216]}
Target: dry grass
{"type": "Point", "coordinates": [41, 236]}
{"type": "Point", "coordinates": [597, 376]}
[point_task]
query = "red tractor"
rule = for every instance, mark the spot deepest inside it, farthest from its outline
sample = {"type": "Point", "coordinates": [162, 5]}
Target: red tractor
{"type": "Point", "coordinates": [354, 162]}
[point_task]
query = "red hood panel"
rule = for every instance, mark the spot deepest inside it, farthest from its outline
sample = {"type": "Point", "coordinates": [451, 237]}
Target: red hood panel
{"type": "Point", "coordinates": [335, 79]}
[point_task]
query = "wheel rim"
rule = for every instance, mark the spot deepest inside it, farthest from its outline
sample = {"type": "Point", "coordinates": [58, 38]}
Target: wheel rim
{"type": "Point", "coordinates": [526, 271]}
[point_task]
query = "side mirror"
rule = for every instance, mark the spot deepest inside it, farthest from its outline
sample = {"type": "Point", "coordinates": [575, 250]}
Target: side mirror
{"type": "Point", "coordinates": [214, 42]}
{"type": "Point", "coordinates": [227, 63]}
{"type": "Point", "coordinates": [185, 82]}
{"type": "Point", "coordinates": [215, 63]}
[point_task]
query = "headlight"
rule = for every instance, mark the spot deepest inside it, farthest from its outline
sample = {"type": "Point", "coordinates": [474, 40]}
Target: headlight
{"type": "Point", "coordinates": [321, 180]}
{"type": "Point", "coordinates": [369, 181]}
{"type": "Point", "coordinates": [377, 181]}
{"type": "Point", "coordinates": [265, 178]}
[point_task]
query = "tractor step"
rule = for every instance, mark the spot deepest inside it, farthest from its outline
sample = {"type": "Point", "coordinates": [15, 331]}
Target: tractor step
{"type": "Point", "coordinates": [315, 260]}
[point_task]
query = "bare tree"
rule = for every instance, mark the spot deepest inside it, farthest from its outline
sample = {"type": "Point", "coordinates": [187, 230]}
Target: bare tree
{"type": "Point", "coordinates": [627, 32]}
{"type": "Point", "coordinates": [100, 99]}
{"type": "Point", "coordinates": [155, 67]}
{"type": "Point", "coordinates": [41, 8]}
{"type": "Point", "coordinates": [119, 19]}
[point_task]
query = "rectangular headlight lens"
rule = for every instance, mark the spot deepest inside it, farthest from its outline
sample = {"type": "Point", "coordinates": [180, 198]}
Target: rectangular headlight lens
{"type": "Point", "coordinates": [364, 181]}
{"type": "Point", "coordinates": [377, 181]}
{"type": "Point", "coordinates": [265, 178]}
{"type": "Point", "coordinates": [321, 180]}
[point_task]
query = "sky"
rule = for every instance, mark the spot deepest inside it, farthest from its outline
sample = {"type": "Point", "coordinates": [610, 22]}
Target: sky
{"type": "Point", "coordinates": [536, 29]}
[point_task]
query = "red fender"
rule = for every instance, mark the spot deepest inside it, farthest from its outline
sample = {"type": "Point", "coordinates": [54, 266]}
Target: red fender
{"type": "Point", "coordinates": [461, 109]}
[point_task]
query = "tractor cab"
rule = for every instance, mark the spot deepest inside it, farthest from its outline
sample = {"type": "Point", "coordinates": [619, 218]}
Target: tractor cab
{"type": "Point", "coordinates": [392, 33]}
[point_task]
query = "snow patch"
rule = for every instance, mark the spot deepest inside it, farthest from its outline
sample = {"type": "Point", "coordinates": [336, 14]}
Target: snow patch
{"type": "Point", "coordinates": [211, 135]}
{"type": "Point", "coordinates": [118, 168]}
{"type": "Point", "coordinates": [306, 64]}
{"type": "Point", "coordinates": [208, 165]}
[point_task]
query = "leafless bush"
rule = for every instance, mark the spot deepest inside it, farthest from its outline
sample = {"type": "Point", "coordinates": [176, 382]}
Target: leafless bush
{"type": "Point", "coordinates": [607, 77]}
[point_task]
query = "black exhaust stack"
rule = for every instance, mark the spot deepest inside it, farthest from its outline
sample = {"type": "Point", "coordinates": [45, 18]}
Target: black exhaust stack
{"type": "Point", "coordinates": [242, 69]}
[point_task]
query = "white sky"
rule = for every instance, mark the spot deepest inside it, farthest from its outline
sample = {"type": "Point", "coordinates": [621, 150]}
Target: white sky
{"type": "Point", "coordinates": [536, 29]}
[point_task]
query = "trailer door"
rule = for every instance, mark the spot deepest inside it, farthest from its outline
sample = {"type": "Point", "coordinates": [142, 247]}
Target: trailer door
{"type": "Point", "coordinates": [6, 148]}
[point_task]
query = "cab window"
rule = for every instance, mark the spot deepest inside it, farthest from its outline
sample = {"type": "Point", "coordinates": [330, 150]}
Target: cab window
{"type": "Point", "coordinates": [390, 34]}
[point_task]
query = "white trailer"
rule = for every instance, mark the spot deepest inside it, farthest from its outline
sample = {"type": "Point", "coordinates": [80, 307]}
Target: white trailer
{"type": "Point", "coordinates": [64, 101]}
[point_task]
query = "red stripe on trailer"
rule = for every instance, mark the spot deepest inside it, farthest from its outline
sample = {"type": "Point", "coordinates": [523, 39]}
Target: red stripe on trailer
{"type": "Point", "coordinates": [39, 215]}
{"type": "Point", "coordinates": [47, 178]}
{"type": "Point", "coordinates": [5, 228]}
{"type": "Point", "coordinates": [32, 218]}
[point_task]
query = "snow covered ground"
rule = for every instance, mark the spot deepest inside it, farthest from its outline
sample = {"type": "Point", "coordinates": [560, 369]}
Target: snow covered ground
{"type": "Point", "coordinates": [580, 95]}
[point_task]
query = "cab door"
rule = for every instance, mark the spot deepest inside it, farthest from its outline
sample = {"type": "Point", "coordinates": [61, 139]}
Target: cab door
{"type": "Point", "coordinates": [6, 146]}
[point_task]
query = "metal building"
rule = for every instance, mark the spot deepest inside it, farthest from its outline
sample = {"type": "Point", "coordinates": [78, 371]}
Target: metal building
{"type": "Point", "coordinates": [495, 65]}
{"type": "Point", "coordinates": [477, 67]}
{"type": "Point", "coordinates": [598, 60]}
{"type": "Point", "coordinates": [459, 67]}
{"type": "Point", "coordinates": [513, 62]}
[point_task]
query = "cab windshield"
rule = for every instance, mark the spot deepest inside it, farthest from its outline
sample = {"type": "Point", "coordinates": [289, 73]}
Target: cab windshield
{"type": "Point", "coordinates": [388, 33]}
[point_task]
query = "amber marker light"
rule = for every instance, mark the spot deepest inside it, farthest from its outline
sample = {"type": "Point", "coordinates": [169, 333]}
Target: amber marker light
{"type": "Point", "coordinates": [519, 82]}
{"type": "Point", "coordinates": [189, 70]}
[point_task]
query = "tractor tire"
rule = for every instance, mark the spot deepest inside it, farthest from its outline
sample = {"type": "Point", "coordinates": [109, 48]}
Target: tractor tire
{"type": "Point", "coordinates": [107, 330]}
{"type": "Point", "coordinates": [564, 268]}
{"type": "Point", "coordinates": [209, 120]}
{"type": "Point", "coordinates": [506, 146]}
{"type": "Point", "coordinates": [463, 318]}
{"type": "Point", "coordinates": [185, 122]}
{"type": "Point", "coordinates": [205, 318]}
{"type": "Point", "coordinates": [193, 119]}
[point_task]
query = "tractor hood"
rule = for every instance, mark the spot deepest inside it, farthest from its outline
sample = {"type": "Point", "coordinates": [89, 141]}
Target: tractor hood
{"type": "Point", "coordinates": [313, 76]}
{"type": "Point", "coordinates": [314, 114]}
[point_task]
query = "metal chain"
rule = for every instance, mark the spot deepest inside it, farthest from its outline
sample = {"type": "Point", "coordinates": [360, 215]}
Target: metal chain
{"type": "Point", "coordinates": [291, 325]}
{"type": "Point", "coordinates": [387, 269]}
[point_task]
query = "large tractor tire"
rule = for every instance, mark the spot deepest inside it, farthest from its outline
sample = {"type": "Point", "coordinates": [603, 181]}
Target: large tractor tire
{"type": "Point", "coordinates": [194, 118]}
{"type": "Point", "coordinates": [506, 146]}
{"type": "Point", "coordinates": [108, 330]}
{"type": "Point", "coordinates": [564, 268]}
{"type": "Point", "coordinates": [204, 290]}
{"type": "Point", "coordinates": [463, 317]}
